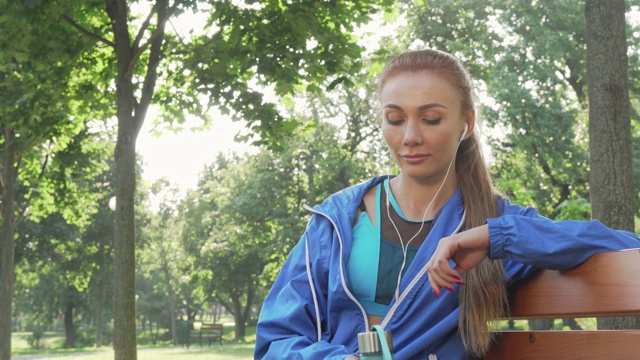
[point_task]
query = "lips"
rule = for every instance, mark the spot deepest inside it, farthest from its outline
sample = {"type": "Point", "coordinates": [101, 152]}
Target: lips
{"type": "Point", "coordinates": [414, 158]}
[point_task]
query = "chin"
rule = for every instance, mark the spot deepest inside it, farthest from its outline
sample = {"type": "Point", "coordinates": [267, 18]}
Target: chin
{"type": "Point", "coordinates": [422, 175]}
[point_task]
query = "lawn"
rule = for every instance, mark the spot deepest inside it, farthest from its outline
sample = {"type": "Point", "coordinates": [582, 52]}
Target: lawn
{"type": "Point", "coordinates": [226, 352]}
{"type": "Point", "coordinates": [163, 350]}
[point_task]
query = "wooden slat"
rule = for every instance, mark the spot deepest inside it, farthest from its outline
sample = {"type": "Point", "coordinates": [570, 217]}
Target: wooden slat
{"type": "Point", "coordinates": [608, 284]}
{"type": "Point", "coordinates": [547, 345]}
{"type": "Point", "coordinates": [217, 327]}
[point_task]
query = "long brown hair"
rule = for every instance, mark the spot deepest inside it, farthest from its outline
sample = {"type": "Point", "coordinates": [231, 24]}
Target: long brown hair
{"type": "Point", "coordinates": [484, 297]}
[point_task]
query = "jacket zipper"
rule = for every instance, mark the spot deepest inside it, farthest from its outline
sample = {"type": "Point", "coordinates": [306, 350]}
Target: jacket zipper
{"type": "Point", "coordinates": [342, 276]}
{"type": "Point", "coordinates": [414, 281]}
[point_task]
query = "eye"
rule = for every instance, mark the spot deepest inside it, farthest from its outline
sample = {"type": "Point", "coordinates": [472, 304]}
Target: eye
{"type": "Point", "coordinates": [435, 121]}
{"type": "Point", "coordinates": [394, 121]}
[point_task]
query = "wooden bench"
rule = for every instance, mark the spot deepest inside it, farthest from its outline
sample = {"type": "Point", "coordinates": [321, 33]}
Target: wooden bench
{"type": "Point", "coordinates": [606, 285]}
{"type": "Point", "coordinates": [211, 332]}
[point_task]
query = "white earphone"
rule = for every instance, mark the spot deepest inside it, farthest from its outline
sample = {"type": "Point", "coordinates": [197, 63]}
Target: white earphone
{"type": "Point", "coordinates": [466, 128]}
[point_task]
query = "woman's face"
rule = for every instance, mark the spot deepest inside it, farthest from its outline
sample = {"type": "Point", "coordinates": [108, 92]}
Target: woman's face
{"type": "Point", "coordinates": [422, 122]}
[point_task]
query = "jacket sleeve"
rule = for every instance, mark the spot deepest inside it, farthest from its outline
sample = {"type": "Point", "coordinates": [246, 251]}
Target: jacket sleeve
{"type": "Point", "coordinates": [288, 323]}
{"type": "Point", "coordinates": [528, 240]}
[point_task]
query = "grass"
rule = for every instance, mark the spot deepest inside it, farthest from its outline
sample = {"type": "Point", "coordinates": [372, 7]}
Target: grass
{"type": "Point", "coordinates": [162, 350]}
{"type": "Point", "coordinates": [225, 352]}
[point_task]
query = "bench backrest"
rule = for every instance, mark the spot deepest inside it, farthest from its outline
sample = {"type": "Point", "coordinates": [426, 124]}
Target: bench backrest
{"type": "Point", "coordinates": [211, 327]}
{"type": "Point", "coordinates": [608, 284]}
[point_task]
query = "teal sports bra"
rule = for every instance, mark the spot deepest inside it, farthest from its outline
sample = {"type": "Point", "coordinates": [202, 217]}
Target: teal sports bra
{"type": "Point", "coordinates": [369, 246]}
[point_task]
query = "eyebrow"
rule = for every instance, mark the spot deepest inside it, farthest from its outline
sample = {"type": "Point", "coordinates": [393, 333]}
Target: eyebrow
{"type": "Point", "coordinates": [420, 108]}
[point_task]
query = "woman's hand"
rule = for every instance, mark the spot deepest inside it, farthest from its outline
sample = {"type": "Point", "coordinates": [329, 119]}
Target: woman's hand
{"type": "Point", "coordinates": [467, 249]}
{"type": "Point", "coordinates": [352, 357]}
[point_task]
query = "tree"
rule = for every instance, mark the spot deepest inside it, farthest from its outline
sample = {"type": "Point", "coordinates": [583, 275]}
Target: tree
{"type": "Point", "coordinates": [238, 230]}
{"type": "Point", "coordinates": [61, 260]}
{"type": "Point", "coordinates": [273, 43]}
{"type": "Point", "coordinates": [55, 274]}
{"type": "Point", "coordinates": [247, 213]}
{"type": "Point", "coordinates": [609, 114]}
{"type": "Point", "coordinates": [40, 84]}
{"type": "Point", "coordinates": [611, 176]}
{"type": "Point", "coordinates": [528, 59]}
{"type": "Point", "coordinates": [161, 253]}
{"type": "Point", "coordinates": [152, 307]}
{"type": "Point", "coordinates": [98, 234]}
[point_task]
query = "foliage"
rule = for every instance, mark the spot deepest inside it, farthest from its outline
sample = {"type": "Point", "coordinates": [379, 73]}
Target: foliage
{"type": "Point", "coordinates": [247, 214]}
{"type": "Point", "coordinates": [529, 58]}
{"type": "Point", "coordinates": [246, 47]}
{"type": "Point", "coordinates": [232, 256]}
{"type": "Point", "coordinates": [578, 209]}
{"type": "Point", "coordinates": [55, 282]}
{"type": "Point", "coordinates": [62, 265]}
{"type": "Point", "coordinates": [273, 43]}
{"type": "Point", "coordinates": [43, 132]}
{"type": "Point", "coordinates": [35, 339]}
{"type": "Point", "coordinates": [41, 87]}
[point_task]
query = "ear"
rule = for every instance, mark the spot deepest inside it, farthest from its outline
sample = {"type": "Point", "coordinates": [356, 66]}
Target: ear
{"type": "Point", "coordinates": [470, 122]}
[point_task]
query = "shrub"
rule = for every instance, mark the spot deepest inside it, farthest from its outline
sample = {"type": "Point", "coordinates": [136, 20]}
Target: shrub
{"type": "Point", "coordinates": [35, 339]}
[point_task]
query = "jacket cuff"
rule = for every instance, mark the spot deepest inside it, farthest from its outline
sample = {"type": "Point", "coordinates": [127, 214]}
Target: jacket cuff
{"type": "Point", "coordinates": [496, 240]}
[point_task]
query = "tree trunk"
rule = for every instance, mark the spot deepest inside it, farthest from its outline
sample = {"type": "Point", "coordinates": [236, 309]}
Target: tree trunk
{"type": "Point", "coordinates": [217, 312]}
{"type": "Point", "coordinates": [541, 324]}
{"type": "Point", "coordinates": [241, 313]}
{"type": "Point", "coordinates": [154, 336]}
{"type": "Point", "coordinates": [124, 340]}
{"type": "Point", "coordinates": [172, 301]}
{"type": "Point", "coordinates": [130, 113]}
{"type": "Point", "coordinates": [240, 329]}
{"type": "Point", "coordinates": [7, 244]}
{"type": "Point", "coordinates": [124, 326]}
{"type": "Point", "coordinates": [99, 299]}
{"type": "Point", "coordinates": [611, 179]}
{"type": "Point", "coordinates": [571, 323]}
{"type": "Point", "coordinates": [69, 327]}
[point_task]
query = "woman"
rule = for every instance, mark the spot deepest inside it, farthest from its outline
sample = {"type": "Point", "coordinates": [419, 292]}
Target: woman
{"type": "Point", "coordinates": [410, 252]}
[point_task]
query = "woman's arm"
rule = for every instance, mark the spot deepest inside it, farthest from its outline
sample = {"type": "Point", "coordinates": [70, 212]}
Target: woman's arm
{"type": "Point", "coordinates": [288, 323]}
{"type": "Point", "coordinates": [526, 238]}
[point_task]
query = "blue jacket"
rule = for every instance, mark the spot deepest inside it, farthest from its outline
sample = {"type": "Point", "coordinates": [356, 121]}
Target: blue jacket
{"type": "Point", "coordinates": [310, 312]}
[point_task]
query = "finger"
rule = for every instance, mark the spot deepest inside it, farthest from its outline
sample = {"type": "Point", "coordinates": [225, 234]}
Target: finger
{"type": "Point", "coordinates": [453, 275]}
{"type": "Point", "coordinates": [433, 278]}
{"type": "Point", "coordinates": [445, 277]}
{"type": "Point", "coordinates": [442, 276]}
{"type": "Point", "coordinates": [436, 273]}
{"type": "Point", "coordinates": [437, 289]}
{"type": "Point", "coordinates": [460, 271]}
{"type": "Point", "coordinates": [437, 285]}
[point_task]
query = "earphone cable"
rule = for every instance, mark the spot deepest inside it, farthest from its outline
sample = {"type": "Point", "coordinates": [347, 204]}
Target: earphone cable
{"type": "Point", "coordinates": [406, 248]}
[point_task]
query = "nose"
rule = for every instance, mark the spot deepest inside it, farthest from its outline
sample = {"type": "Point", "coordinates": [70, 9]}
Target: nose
{"type": "Point", "coordinates": [412, 134]}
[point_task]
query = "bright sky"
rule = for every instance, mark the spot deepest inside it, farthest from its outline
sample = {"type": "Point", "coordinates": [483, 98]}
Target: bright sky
{"type": "Point", "coordinates": [180, 157]}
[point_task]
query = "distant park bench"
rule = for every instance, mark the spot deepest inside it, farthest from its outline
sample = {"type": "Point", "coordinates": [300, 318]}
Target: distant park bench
{"type": "Point", "coordinates": [606, 285]}
{"type": "Point", "coordinates": [210, 332]}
